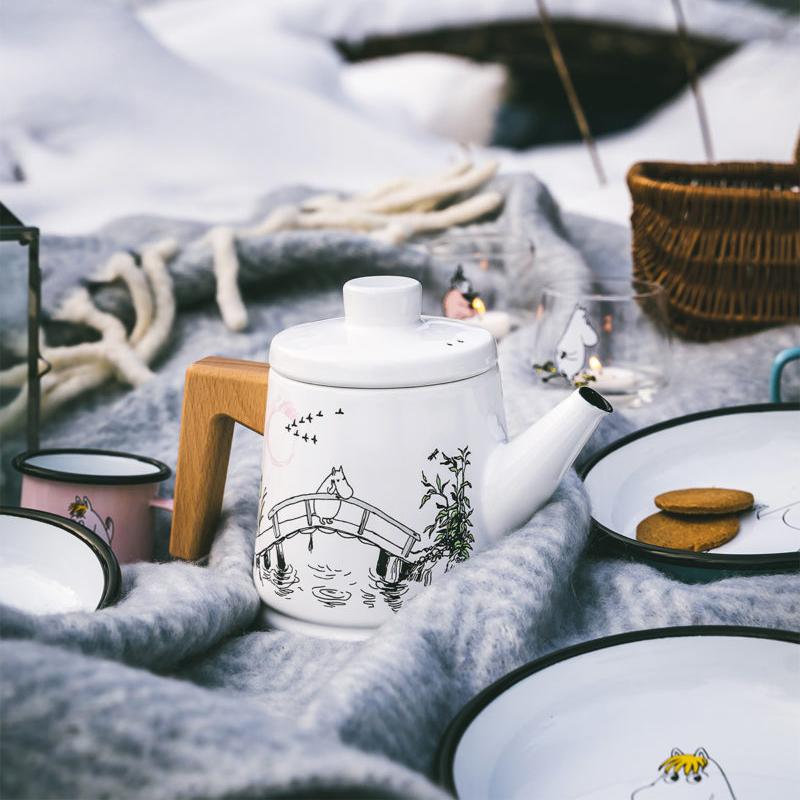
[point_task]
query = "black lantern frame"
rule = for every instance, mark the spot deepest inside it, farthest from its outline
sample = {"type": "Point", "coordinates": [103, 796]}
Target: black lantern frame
{"type": "Point", "coordinates": [12, 229]}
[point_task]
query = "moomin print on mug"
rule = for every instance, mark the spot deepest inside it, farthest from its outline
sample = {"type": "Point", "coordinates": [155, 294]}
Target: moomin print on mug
{"type": "Point", "coordinates": [110, 494]}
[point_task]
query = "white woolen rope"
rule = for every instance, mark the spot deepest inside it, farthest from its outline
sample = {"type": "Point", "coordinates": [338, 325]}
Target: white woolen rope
{"type": "Point", "coordinates": [114, 350]}
{"type": "Point", "coordinates": [226, 272]}
{"type": "Point", "coordinates": [77, 369]}
{"type": "Point", "coordinates": [122, 265]}
{"type": "Point", "coordinates": [392, 213]}
{"type": "Point", "coordinates": [154, 266]}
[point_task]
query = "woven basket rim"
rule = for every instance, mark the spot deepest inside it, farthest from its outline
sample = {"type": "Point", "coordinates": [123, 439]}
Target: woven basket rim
{"type": "Point", "coordinates": [638, 179]}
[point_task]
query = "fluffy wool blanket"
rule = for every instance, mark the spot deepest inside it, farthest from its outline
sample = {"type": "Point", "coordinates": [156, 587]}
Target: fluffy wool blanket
{"type": "Point", "coordinates": [177, 691]}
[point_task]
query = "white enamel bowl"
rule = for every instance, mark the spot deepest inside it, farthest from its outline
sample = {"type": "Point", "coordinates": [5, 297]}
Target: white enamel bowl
{"type": "Point", "coordinates": [50, 565]}
{"type": "Point", "coordinates": [755, 448]}
{"type": "Point", "coordinates": [597, 721]}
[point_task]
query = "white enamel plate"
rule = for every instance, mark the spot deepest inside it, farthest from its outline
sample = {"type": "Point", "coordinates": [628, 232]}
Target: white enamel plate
{"type": "Point", "coordinates": [754, 448]}
{"type": "Point", "coordinates": [693, 713]}
{"type": "Point", "coordinates": [51, 565]}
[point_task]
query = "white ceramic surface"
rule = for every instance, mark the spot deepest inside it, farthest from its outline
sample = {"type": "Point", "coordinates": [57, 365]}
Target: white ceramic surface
{"type": "Point", "coordinates": [44, 568]}
{"type": "Point", "coordinates": [382, 342]}
{"type": "Point", "coordinates": [598, 726]}
{"type": "Point", "coordinates": [757, 451]}
{"type": "Point", "coordinates": [378, 464]}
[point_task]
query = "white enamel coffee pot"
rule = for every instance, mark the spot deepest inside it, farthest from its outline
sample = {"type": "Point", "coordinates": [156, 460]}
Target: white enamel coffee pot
{"type": "Point", "coordinates": [385, 462]}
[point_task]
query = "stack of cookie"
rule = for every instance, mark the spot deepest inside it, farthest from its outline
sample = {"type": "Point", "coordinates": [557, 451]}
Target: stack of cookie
{"type": "Point", "coordinates": [695, 519]}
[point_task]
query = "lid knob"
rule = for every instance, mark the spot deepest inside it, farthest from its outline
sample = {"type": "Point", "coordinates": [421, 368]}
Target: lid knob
{"type": "Point", "coordinates": [382, 300]}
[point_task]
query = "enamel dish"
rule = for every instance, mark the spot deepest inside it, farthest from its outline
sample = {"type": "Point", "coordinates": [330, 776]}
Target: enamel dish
{"type": "Point", "coordinates": [755, 448]}
{"type": "Point", "coordinates": [50, 565]}
{"type": "Point", "coordinates": [696, 713]}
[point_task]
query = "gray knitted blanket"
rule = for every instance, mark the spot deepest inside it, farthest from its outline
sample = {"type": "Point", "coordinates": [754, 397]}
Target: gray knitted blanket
{"type": "Point", "coordinates": [178, 692]}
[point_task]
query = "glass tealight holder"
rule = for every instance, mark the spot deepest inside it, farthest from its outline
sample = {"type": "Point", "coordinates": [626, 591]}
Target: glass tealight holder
{"type": "Point", "coordinates": [490, 260]}
{"type": "Point", "coordinates": [482, 266]}
{"type": "Point", "coordinates": [610, 334]}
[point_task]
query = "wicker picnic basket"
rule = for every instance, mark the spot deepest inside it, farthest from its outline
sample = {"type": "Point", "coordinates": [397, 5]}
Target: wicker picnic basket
{"type": "Point", "coordinates": [723, 240]}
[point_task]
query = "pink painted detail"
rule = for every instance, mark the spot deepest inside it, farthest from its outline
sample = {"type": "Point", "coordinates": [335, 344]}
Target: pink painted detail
{"type": "Point", "coordinates": [165, 503]}
{"type": "Point", "coordinates": [280, 446]}
{"type": "Point", "coordinates": [126, 507]}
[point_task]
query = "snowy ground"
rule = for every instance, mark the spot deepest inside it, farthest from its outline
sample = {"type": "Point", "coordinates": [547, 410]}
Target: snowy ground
{"type": "Point", "coordinates": [355, 19]}
{"type": "Point", "coordinates": [194, 108]}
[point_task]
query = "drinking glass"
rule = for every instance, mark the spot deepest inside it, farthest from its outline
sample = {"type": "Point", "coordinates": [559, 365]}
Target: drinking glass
{"type": "Point", "coordinates": [610, 334]}
{"type": "Point", "coordinates": [490, 261]}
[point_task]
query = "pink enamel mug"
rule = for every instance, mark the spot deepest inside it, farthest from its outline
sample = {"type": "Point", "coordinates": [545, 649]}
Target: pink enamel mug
{"type": "Point", "coordinates": [109, 493]}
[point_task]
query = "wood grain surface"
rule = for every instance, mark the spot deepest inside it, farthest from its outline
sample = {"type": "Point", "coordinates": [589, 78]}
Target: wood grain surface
{"type": "Point", "coordinates": [218, 393]}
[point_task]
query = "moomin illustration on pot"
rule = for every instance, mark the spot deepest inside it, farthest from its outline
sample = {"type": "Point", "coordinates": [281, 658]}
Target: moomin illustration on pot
{"type": "Point", "coordinates": [334, 510]}
{"type": "Point", "coordinates": [353, 410]}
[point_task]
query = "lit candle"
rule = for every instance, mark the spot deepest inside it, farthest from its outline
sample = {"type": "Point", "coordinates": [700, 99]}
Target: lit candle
{"type": "Point", "coordinates": [498, 323]}
{"type": "Point", "coordinates": [612, 380]}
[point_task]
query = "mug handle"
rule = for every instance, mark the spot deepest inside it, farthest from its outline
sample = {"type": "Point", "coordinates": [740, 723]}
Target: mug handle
{"type": "Point", "coordinates": [218, 393]}
{"type": "Point", "coordinates": [781, 360]}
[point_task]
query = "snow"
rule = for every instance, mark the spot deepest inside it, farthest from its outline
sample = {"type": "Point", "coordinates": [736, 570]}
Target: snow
{"type": "Point", "coordinates": [106, 122]}
{"type": "Point", "coordinates": [194, 108]}
{"type": "Point", "coordinates": [245, 44]}
{"type": "Point", "coordinates": [352, 20]}
{"type": "Point", "coordinates": [460, 101]}
{"type": "Point", "coordinates": [753, 105]}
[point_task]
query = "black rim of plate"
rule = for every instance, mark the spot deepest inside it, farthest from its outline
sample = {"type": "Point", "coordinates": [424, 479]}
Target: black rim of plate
{"type": "Point", "coordinates": [451, 738]}
{"type": "Point", "coordinates": [21, 464]}
{"type": "Point", "coordinates": [685, 558]}
{"type": "Point", "coordinates": [103, 553]}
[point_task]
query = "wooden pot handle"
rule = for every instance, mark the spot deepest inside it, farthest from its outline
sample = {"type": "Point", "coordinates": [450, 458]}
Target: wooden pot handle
{"type": "Point", "coordinates": [218, 393]}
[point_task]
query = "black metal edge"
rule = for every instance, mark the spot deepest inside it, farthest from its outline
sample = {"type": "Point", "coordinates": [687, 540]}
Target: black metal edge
{"type": "Point", "coordinates": [19, 463]}
{"type": "Point", "coordinates": [445, 752]}
{"type": "Point", "coordinates": [12, 229]}
{"type": "Point", "coordinates": [685, 558]}
{"type": "Point", "coordinates": [34, 325]}
{"type": "Point", "coordinates": [105, 555]}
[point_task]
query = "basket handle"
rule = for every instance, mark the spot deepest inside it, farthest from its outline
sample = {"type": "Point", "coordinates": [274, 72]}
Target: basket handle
{"type": "Point", "coordinates": [218, 393]}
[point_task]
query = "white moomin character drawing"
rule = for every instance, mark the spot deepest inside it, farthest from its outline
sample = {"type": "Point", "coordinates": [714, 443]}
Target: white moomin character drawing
{"type": "Point", "coordinates": [81, 511]}
{"type": "Point", "coordinates": [571, 347]}
{"type": "Point", "coordinates": [335, 484]}
{"type": "Point", "coordinates": [694, 776]}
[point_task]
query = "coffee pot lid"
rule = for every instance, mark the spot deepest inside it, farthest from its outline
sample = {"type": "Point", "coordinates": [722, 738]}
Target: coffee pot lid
{"type": "Point", "coordinates": [383, 341]}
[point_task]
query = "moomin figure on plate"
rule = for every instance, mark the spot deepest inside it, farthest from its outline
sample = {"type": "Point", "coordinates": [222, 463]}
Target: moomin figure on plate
{"type": "Point", "coordinates": [694, 776]}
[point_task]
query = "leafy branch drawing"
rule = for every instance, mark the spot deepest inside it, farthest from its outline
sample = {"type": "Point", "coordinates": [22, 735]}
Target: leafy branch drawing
{"type": "Point", "coordinates": [451, 526]}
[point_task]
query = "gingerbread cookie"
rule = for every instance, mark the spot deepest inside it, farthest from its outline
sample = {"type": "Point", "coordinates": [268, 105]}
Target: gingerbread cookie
{"type": "Point", "coordinates": [695, 533]}
{"type": "Point", "coordinates": [705, 501]}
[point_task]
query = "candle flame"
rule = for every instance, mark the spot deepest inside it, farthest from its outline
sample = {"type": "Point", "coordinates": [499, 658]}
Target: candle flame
{"type": "Point", "coordinates": [595, 364]}
{"type": "Point", "coordinates": [479, 305]}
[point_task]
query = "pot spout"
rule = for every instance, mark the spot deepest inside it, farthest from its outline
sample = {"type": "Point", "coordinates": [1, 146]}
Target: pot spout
{"type": "Point", "coordinates": [522, 474]}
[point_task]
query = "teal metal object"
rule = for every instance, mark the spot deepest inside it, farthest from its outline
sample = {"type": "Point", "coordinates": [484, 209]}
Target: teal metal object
{"type": "Point", "coordinates": [781, 360]}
